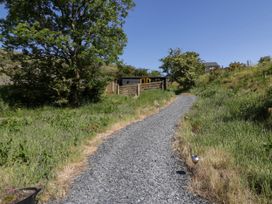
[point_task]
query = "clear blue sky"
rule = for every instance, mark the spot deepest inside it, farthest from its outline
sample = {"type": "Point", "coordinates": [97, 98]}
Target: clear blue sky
{"type": "Point", "coordinates": [219, 30]}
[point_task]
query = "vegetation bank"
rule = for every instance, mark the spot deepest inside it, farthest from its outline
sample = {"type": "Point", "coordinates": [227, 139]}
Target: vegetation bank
{"type": "Point", "coordinates": [230, 129]}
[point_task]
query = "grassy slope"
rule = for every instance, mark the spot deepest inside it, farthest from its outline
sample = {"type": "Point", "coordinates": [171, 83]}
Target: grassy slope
{"type": "Point", "coordinates": [34, 143]}
{"type": "Point", "coordinates": [230, 127]}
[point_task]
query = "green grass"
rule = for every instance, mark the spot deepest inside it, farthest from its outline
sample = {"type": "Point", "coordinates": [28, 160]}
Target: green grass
{"type": "Point", "coordinates": [232, 115]}
{"type": "Point", "coordinates": [35, 142]}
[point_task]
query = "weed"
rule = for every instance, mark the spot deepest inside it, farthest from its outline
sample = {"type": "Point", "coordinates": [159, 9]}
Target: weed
{"type": "Point", "coordinates": [36, 142]}
{"type": "Point", "coordinates": [232, 118]}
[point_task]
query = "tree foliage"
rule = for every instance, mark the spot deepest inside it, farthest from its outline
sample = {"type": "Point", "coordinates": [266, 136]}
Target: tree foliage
{"type": "Point", "coordinates": [141, 72]}
{"type": "Point", "coordinates": [124, 70]}
{"type": "Point", "coordinates": [155, 73]}
{"type": "Point", "coordinates": [129, 71]}
{"type": "Point", "coordinates": [62, 46]}
{"type": "Point", "coordinates": [236, 65]}
{"type": "Point", "coordinates": [184, 68]}
{"type": "Point", "coordinates": [265, 59]}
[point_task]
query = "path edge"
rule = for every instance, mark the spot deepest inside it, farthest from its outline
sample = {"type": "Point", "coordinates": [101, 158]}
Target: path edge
{"type": "Point", "coordinates": [58, 188]}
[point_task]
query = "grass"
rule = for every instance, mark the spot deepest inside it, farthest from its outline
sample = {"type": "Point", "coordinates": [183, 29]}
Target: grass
{"type": "Point", "coordinates": [34, 143]}
{"type": "Point", "coordinates": [230, 127]}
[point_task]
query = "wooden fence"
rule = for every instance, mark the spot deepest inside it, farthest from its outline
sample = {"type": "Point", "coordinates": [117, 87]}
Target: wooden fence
{"type": "Point", "coordinates": [153, 85]}
{"type": "Point", "coordinates": [133, 89]}
{"type": "Point", "coordinates": [129, 90]}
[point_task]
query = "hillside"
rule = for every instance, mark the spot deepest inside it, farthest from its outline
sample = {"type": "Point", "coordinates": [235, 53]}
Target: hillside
{"type": "Point", "coordinates": [230, 128]}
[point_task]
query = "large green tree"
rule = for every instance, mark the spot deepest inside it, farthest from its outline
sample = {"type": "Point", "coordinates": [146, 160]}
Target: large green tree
{"type": "Point", "coordinates": [61, 46]}
{"type": "Point", "coordinates": [184, 68]}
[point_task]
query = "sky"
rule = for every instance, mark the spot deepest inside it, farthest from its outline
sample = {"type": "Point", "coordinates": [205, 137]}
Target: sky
{"type": "Point", "coordinates": [219, 30]}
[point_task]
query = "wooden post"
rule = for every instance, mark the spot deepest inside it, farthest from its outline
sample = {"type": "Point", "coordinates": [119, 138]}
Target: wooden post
{"type": "Point", "coordinates": [138, 89]}
{"type": "Point", "coordinates": [165, 84]}
{"type": "Point", "coordinates": [113, 87]}
{"type": "Point", "coordinates": [118, 89]}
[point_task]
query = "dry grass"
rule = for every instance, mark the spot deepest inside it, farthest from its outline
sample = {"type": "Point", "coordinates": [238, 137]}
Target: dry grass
{"type": "Point", "coordinates": [215, 176]}
{"type": "Point", "coordinates": [59, 187]}
{"type": "Point", "coordinates": [230, 128]}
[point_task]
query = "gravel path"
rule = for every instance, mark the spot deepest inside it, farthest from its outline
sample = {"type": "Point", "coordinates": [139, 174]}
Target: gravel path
{"type": "Point", "coordinates": [137, 164]}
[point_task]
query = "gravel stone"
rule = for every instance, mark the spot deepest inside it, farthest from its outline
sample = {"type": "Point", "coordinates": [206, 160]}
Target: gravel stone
{"type": "Point", "coordinates": [137, 164]}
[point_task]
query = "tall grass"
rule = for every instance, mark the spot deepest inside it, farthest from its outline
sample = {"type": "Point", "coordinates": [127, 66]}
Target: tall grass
{"type": "Point", "coordinates": [230, 127]}
{"type": "Point", "coordinates": [35, 142]}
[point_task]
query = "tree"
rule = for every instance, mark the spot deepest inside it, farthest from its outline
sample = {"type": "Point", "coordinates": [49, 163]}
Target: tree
{"type": "Point", "coordinates": [236, 65]}
{"type": "Point", "coordinates": [125, 70]}
{"type": "Point", "coordinates": [184, 68]}
{"type": "Point", "coordinates": [265, 59]}
{"type": "Point", "coordinates": [62, 46]}
{"type": "Point", "coordinates": [140, 72]}
{"type": "Point", "coordinates": [130, 71]}
{"type": "Point", "coordinates": [154, 73]}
